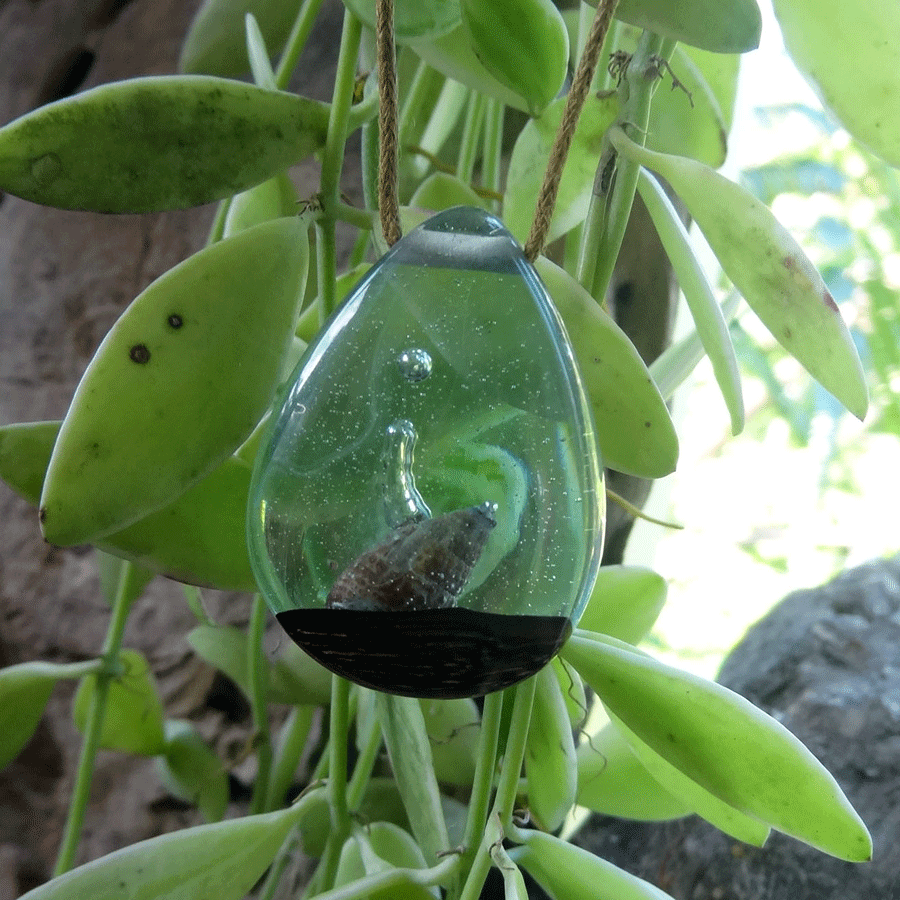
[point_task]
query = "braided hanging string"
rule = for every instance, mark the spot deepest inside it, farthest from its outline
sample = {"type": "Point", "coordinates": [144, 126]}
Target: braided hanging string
{"type": "Point", "coordinates": [581, 83]}
{"type": "Point", "coordinates": [388, 200]}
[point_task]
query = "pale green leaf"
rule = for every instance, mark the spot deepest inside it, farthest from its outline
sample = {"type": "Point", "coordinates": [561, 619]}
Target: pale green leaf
{"type": "Point", "coordinates": [723, 743]}
{"type": "Point", "coordinates": [133, 722]}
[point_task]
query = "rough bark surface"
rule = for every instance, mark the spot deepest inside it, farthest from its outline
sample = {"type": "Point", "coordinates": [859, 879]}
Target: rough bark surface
{"type": "Point", "coordinates": [64, 279]}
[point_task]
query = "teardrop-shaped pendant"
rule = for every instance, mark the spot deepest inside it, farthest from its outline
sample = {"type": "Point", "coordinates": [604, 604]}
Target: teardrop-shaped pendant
{"type": "Point", "coordinates": [426, 514]}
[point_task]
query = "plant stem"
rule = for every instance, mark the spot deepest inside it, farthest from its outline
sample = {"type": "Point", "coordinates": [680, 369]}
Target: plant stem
{"type": "Point", "coordinates": [362, 772]}
{"type": "Point", "coordinates": [507, 786]}
{"type": "Point", "coordinates": [296, 42]}
{"type": "Point", "coordinates": [195, 603]}
{"type": "Point", "coordinates": [483, 781]}
{"type": "Point", "coordinates": [616, 180]}
{"type": "Point", "coordinates": [276, 870]}
{"type": "Point", "coordinates": [112, 647]}
{"type": "Point", "coordinates": [333, 159]}
{"type": "Point", "coordinates": [468, 149]}
{"type": "Point", "coordinates": [259, 697]}
{"type": "Point", "coordinates": [492, 155]}
{"type": "Point", "coordinates": [337, 777]}
{"type": "Point", "coordinates": [291, 743]}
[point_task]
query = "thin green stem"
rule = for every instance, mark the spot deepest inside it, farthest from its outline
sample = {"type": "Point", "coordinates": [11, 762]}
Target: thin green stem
{"type": "Point", "coordinates": [296, 42]}
{"type": "Point", "coordinates": [507, 785]}
{"type": "Point", "coordinates": [380, 883]}
{"type": "Point", "coordinates": [353, 216]}
{"type": "Point", "coordinates": [471, 137]}
{"type": "Point", "coordinates": [80, 669]}
{"type": "Point", "coordinates": [492, 155]}
{"type": "Point", "coordinates": [195, 603]}
{"type": "Point", "coordinates": [416, 95]}
{"type": "Point", "coordinates": [337, 776]}
{"type": "Point", "coordinates": [259, 701]}
{"type": "Point", "coordinates": [112, 647]}
{"type": "Point", "coordinates": [333, 158]}
{"type": "Point", "coordinates": [616, 179]}
{"type": "Point", "coordinates": [217, 229]}
{"type": "Point", "coordinates": [362, 772]}
{"type": "Point", "coordinates": [276, 870]}
{"type": "Point", "coordinates": [291, 743]}
{"type": "Point", "coordinates": [483, 781]}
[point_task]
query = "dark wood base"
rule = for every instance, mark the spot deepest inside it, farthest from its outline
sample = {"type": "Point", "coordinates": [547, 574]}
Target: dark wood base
{"type": "Point", "coordinates": [431, 653]}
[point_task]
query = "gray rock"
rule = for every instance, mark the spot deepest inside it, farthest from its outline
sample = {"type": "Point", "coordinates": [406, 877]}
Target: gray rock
{"type": "Point", "coordinates": [826, 663]}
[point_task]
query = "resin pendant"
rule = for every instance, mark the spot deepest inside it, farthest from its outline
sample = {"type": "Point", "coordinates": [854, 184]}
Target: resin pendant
{"type": "Point", "coordinates": [426, 513]}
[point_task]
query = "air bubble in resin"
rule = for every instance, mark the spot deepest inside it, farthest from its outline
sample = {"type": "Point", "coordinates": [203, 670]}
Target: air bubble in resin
{"type": "Point", "coordinates": [415, 364]}
{"type": "Point", "coordinates": [430, 524]}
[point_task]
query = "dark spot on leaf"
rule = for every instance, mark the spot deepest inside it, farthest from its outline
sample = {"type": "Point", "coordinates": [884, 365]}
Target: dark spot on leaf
{"type": "Point", "coordinates": [175, 321]}
{"type": "Point", "coordinates": [139, 354]}
{"type": "Point", "coordinates": [646, 424]}
{"type": "Point", "coordinates": [788, 334]}
{"type": "Point", "coordinates": [789, 263]}
{"type": "Point", "coordinates": [597, 359]}
{"type": "Point", "coordinates": [42, 514]}
{"type": "Point", "coordinates": [829, 301]}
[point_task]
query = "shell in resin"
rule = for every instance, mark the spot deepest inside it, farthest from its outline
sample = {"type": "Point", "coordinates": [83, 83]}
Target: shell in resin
{"type": "Point", "coordinates": [422, 565]}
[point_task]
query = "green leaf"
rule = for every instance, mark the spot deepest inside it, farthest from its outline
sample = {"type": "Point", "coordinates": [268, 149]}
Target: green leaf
{"type": "Point", "coordinates": [298, 678]}
{"type": "Point", "coordinates": [453, 727]}
{"type": "Point", "coordinates": [625, 602]}
{"type": "Point", "coordinates": [177, 384]}
{"type": "Point", "coordinates": [723, 743]}
{"type": "Point", "coordinates": [531, 153]}
{"type": "Point", "coordinates": [212, 862]}
{"type": "Point", "coordinates": [572, 687]}
{"type": "Point", "coordinates": [260, 62]}
{"type": "Point", "coordinates": [273, 199]}
{"type": "Point", "coordinates": [613, 782]}
{"type": "Point", "coordinates": [723, 26]}
{"type": "Point", "coordinates": [522, 43]}
{"type": "Point", "coordinates": [378, 848]}
{"type": "Point", "coordinates": [720, 72]}
{"type": "Point", "coordinates": [225, 648]}
{"type": "Point", "coordinates": [678, 360]}
{"type": "Point", "coordinates": [191, 771]}
{"type": "Point", "coordinates": [689, 125]}
{"type": "Point", "coordinates": [851, 60]}
{"type": "Point", "coordinates": [24, 692]}
{"type": "Point", "coordinates": [409, 749]}
{"type": "Point", "coordinates": [768, 267]}
{"type": "Point", "coordinates": [688, 791]}
{"type": "Point", "coordinates": [570, 873]}
{"type": "Point", "coordinates": [157, 143]}
{"type": "Point", "coordinates": [216, 41]}
{"type": "Point", "coordinates": [550, 772]}
{"type": "Point", "coordinates": [25, 449]}
{"type": "Point", "coordinates": [453, 56]}
{"type": "Point", "coordinates": [707, 315]}
{"type": "Point", "coordinates": [443, 191]}
{"type": "Point", "coordinates": [133, 722]}
{"type": "Point", "coordinates": [113, 570]}
{"type": "Point", "coordinates": [423, 19]}
{"type": "Point", "coordinates": [634, 430]}
{"type": "Point", "coordinates": [199, 539]}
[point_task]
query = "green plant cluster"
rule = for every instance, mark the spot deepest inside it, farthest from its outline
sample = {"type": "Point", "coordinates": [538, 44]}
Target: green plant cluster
{"type": "Point", "coordinates": [185, 378]}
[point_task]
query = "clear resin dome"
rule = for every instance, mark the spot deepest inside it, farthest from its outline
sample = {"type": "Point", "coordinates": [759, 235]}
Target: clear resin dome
{"type": "Point", "coordinates": [426, 514]}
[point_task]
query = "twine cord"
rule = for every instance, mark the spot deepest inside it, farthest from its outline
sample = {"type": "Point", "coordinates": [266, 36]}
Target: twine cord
{"type": "Point", "coordinates": [581, 84]}
{"type": "Point", "coordinates": [388, 199]}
